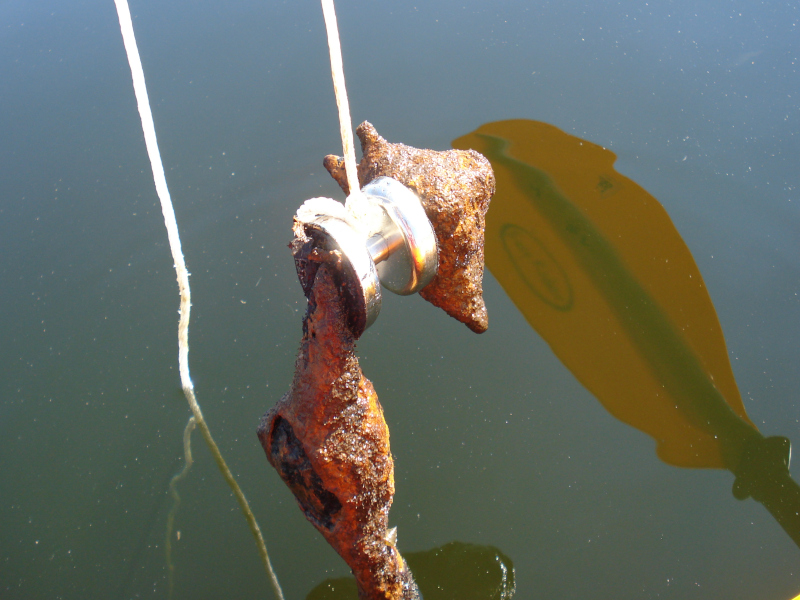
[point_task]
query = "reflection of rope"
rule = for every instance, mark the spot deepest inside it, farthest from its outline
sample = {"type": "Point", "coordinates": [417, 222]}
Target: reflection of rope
{"type": "Point", "coordinates": [176, 499]}
{"type": "Point", "coordinates": [171, 224]}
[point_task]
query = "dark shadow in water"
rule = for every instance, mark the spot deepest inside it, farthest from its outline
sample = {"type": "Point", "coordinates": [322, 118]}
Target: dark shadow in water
{"type": "Point", "coordinates": [596, 266]}
{"type": "Point", "coordinates": [455, 571]}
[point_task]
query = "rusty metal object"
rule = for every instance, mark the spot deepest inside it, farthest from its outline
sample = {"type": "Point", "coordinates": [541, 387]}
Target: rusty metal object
{"type": "Point", "coordinates": [327, 437]}
{"type": "Point", "coordinates": [455, 187]}
{"type": "Point", "coordinates": [335, 166]}
{"type": "Point", "coordinates": [328, 440]}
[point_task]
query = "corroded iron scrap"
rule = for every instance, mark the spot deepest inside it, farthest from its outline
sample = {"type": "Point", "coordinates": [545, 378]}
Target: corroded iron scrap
{"type": "Point", "coordinates": [455, 187]}
{"type": "Point", "coordinates": [328, 440]}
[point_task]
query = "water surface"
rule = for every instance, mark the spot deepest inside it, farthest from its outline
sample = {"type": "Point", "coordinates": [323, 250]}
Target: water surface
{"type": "Point", "coordinates": [496, 443]}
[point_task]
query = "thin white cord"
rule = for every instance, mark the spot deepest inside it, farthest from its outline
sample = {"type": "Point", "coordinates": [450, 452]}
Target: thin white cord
{"type": "Point", "coordinates": [337, 72]}
{"type": "Point", "coordinates": [140, 89]}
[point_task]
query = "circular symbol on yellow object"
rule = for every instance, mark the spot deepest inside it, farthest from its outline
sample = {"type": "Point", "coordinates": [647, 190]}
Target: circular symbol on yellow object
{"type": "Point", "coordinates": [537, 267]}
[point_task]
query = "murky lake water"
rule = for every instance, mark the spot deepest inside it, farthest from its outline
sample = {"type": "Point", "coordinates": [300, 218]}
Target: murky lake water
{"type": "Point", "coordinates": [496, 443]}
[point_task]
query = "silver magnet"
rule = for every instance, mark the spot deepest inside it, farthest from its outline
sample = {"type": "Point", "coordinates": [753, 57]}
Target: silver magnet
{"type": "Point", "coordinates": [404, 249]}
{"type": "Point", "coordinates": [384, 237]}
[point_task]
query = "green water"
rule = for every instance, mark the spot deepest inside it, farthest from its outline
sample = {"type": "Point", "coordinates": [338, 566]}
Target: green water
{"type": "Point", "coordinates": [495, 442]}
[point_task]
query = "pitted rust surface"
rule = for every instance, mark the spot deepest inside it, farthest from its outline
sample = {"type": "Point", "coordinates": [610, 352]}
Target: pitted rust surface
{"type": "Point", "coordinates": [328, 440]}
{"type": "Point", "coordinates": [455, 187]}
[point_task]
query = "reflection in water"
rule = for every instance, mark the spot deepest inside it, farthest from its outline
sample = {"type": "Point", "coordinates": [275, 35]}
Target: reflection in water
{"type": "Point", "coordinates": [455, 571]}
{"type": "Point", "coordinates": [596, 266]}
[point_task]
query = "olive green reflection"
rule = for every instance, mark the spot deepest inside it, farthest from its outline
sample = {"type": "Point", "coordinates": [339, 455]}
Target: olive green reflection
{"type": "Point", "coordinates": [596, 266]}
{"type": "Point", "coordinates": [455, 571]}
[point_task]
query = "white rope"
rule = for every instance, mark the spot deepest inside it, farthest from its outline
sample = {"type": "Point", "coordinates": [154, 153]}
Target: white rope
{"type": "Point", "coordinates": [140, 89]}
{"type": "Point", "coordinates": [337, 72]}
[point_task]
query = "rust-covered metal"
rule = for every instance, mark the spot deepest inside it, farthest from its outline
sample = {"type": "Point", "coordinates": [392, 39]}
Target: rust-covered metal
{"type": "Point", "coordinates": [327, 437]}
{"type": "Point", "coordinates": [455, 187]}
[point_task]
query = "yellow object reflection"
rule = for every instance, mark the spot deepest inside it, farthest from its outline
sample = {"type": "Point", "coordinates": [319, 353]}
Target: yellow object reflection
{"type": "Point", "coordinates": [596, 266]}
